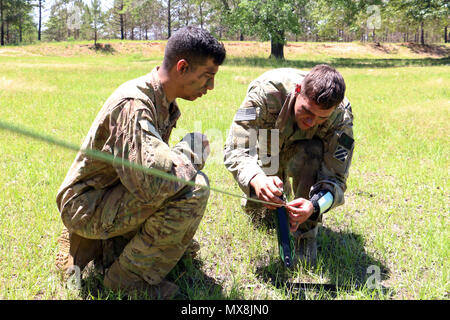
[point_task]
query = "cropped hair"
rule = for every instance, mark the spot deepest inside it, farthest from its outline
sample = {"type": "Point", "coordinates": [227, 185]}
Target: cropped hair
{"type": "Point", "coordinates": [324, 85]}
{"type": "Point", "coordinates": [194, 45]}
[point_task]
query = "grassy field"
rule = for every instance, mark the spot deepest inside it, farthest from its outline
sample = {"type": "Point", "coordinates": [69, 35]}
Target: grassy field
{"type": "Point", "coordinates": [394, 226]}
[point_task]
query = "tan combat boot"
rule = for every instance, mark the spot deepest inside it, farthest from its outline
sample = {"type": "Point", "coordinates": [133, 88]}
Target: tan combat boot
{"type": "Point", "coordinates": [75, 252]}
{"type": "Point", "coordinates": [306, 247]}
{"type": "Point", "coordinates": [119, 279]}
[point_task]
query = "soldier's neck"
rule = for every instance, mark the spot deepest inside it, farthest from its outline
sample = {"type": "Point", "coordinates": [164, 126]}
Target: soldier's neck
{"type": "Point", "coordinates": [168, 88]}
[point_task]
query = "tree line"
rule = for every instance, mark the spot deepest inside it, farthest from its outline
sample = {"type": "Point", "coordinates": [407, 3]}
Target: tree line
{"type": "Point", "coordinates": [277, 21]}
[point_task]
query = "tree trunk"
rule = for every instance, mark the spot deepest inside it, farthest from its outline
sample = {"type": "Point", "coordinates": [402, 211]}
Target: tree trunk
{"type": "Point", "coordinates": [201, 16]}
{"type": "Point", "coordinates": [40, 20]}
{"type": "Point", "coordinates": [445, 35]}
{"type": "Point", "coordinates": [422, 39]}
{"type": "Point", "coordinates": [168, 20]}
{"type": "Point", "coordinates": [122, 27]}
{"type": "Point", "coordinates": [2, 32]}
{"type": "Point", "coordinates": [122, 22]}
{"type": "Point", "coordinates": [20, 31]}
{"type": "Point", "coordinates": [277, 46]}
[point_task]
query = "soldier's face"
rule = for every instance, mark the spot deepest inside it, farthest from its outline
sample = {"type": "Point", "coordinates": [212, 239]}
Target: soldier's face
{"type": "Point", "coordinates": [308, 114]}
{"type": "Point", "coordinates": [196, 81]}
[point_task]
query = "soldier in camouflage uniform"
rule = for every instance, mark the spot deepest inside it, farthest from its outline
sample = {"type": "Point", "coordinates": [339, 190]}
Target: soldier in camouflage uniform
{"type": "Point", "coordinates": [155, 219]}
{"type": "Point", "coordinates": [293, 125]}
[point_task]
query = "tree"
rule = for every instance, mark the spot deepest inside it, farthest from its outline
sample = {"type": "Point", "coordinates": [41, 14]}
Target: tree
{"type": "Point", "coordinates": [422, 11]}
{"type": "Point", "coordinates": [95, 18]}
{"type": "Point", "coordinates": [40, 19]}
{"type": "Point", "coordinates": [16, 21]}
{"type": "Point", "coordinates": [336, 19]}
{"type": "Point", "coordinates": [148, 18]}
{"type": "Point", "coordinates": [169, 19]}
{"type": "Point", "coordinates": [115, 19]}
{"type": "Point", "coordinates": [267, 19]}
{"type": "Point", "coordinates": [3, 5]}
{"type": "Point", "coordinates": [223, 25]}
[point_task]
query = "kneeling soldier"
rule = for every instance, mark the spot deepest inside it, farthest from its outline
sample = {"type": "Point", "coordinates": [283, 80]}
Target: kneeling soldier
{"type": "Point", "coordinates": [298, 125]}
{"type": "Point", "coordinates": [139, 225]}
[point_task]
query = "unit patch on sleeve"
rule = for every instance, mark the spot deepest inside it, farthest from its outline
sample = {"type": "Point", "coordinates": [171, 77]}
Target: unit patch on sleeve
{"type": "Point", "coordinates": [345, 144]}
{"type": "Point", "coordinates": [341, 154]}
{"type": "Point", "coordinates": [245, 114]}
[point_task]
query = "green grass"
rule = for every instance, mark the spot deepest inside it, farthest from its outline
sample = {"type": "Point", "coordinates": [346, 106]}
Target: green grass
{"type": "Point", "coordinates": [397, 203]}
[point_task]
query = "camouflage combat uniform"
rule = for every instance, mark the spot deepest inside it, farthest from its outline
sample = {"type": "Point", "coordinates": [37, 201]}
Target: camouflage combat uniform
{"type": "Point", "coordinates": [100, 200]}
{"type": "Point", "coordinates": [315, 159]}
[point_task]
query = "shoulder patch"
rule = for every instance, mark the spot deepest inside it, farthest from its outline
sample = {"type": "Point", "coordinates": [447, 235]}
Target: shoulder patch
{"type": "Point", "coordinates": [149, 127]}
{"type": "Point", "coordinates": [341, 154]}
{"type": "Point", "coordinates": [345, 144]}
{"type": "Point", "coordinates": [245, 114]}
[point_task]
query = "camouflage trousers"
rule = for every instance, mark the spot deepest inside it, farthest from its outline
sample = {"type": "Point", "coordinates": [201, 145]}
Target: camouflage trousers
{"type": "Point", "coordinates": [300, 163]}
{"type": "Point", "coordinates": [154, 238]}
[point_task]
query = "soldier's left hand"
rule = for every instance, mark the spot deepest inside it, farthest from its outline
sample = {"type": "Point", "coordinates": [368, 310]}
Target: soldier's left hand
{"type": "Point", "coordinates": [300, 210]}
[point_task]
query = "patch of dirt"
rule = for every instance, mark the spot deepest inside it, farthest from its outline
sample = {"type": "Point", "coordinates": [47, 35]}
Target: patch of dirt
{"type": "Point", "coordinates": [76, 49]}
{"type": "Point", "coordinates": [427, 49]}
{"type": "Point", "coordinates": [347, 49]}
{"type": "Point", "coordinates": [385, 48]}
{"type": "Point", "coordinates": [9, 52]}
{"type": "Point", "coordinates": [236, 49]}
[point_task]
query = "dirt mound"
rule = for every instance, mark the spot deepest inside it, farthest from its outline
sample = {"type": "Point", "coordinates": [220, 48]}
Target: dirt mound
{"type": "Point", "coordinates": [237, 49]}
{"type": "Point", "coordinates": [428, 49]}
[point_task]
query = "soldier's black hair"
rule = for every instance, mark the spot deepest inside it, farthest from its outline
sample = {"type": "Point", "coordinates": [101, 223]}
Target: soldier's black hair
{"type": "Point", "coordinates": [325, 86]}
{"type": "Point", "coordinates": [194, 45]}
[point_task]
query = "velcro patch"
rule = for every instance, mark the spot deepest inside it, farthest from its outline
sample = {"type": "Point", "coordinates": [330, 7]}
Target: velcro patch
{"type": "Point", "coordinates": [346, 141]}
{"type": "Point", "coordinates": [341, 153]}
{"type": "Point", "coordinates": [245, 114]}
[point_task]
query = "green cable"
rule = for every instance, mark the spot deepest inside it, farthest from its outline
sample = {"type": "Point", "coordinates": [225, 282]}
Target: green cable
{"type": "Point", "coordinates": [103, 156]}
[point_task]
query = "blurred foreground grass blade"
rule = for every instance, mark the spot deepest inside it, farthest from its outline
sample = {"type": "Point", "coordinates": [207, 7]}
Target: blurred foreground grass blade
{"type": "Point", "coordinates": [106, 157]}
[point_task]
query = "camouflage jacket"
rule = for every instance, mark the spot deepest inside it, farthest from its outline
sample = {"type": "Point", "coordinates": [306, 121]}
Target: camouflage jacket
{"type": "Point", "coordinates": [269, 104]}
{"type": "Point", "coordinates": [134, 124]}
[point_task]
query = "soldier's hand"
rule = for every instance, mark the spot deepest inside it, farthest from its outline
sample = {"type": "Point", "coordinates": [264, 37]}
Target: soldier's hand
{"type": "Point", "coordinates": [268, 189]}
{"type": "Point", "coordinates": [300, 210]}
{"type": "Point", "coordinates": [199, 145]}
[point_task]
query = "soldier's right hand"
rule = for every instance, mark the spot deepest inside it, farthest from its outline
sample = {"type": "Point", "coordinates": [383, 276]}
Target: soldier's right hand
{"type": "Point", "coordinates": [268, 188]}
{"type": "Point", "coordinates": [199, 145]}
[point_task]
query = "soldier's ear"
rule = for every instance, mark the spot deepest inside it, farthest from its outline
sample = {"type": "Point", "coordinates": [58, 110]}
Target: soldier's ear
{"type": "Point", "coordinates": [182, 66]}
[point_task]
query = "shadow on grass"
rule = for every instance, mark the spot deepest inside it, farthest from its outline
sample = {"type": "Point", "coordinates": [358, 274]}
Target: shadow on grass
{"type": "Point", "coordinates": [192, 282]}
{"type": "Point", "coordinates": [341, 258]}
{"type": "Point", "coordinates": [336, 62]}
{"type": "Point", "coordinates": [195, 284]}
